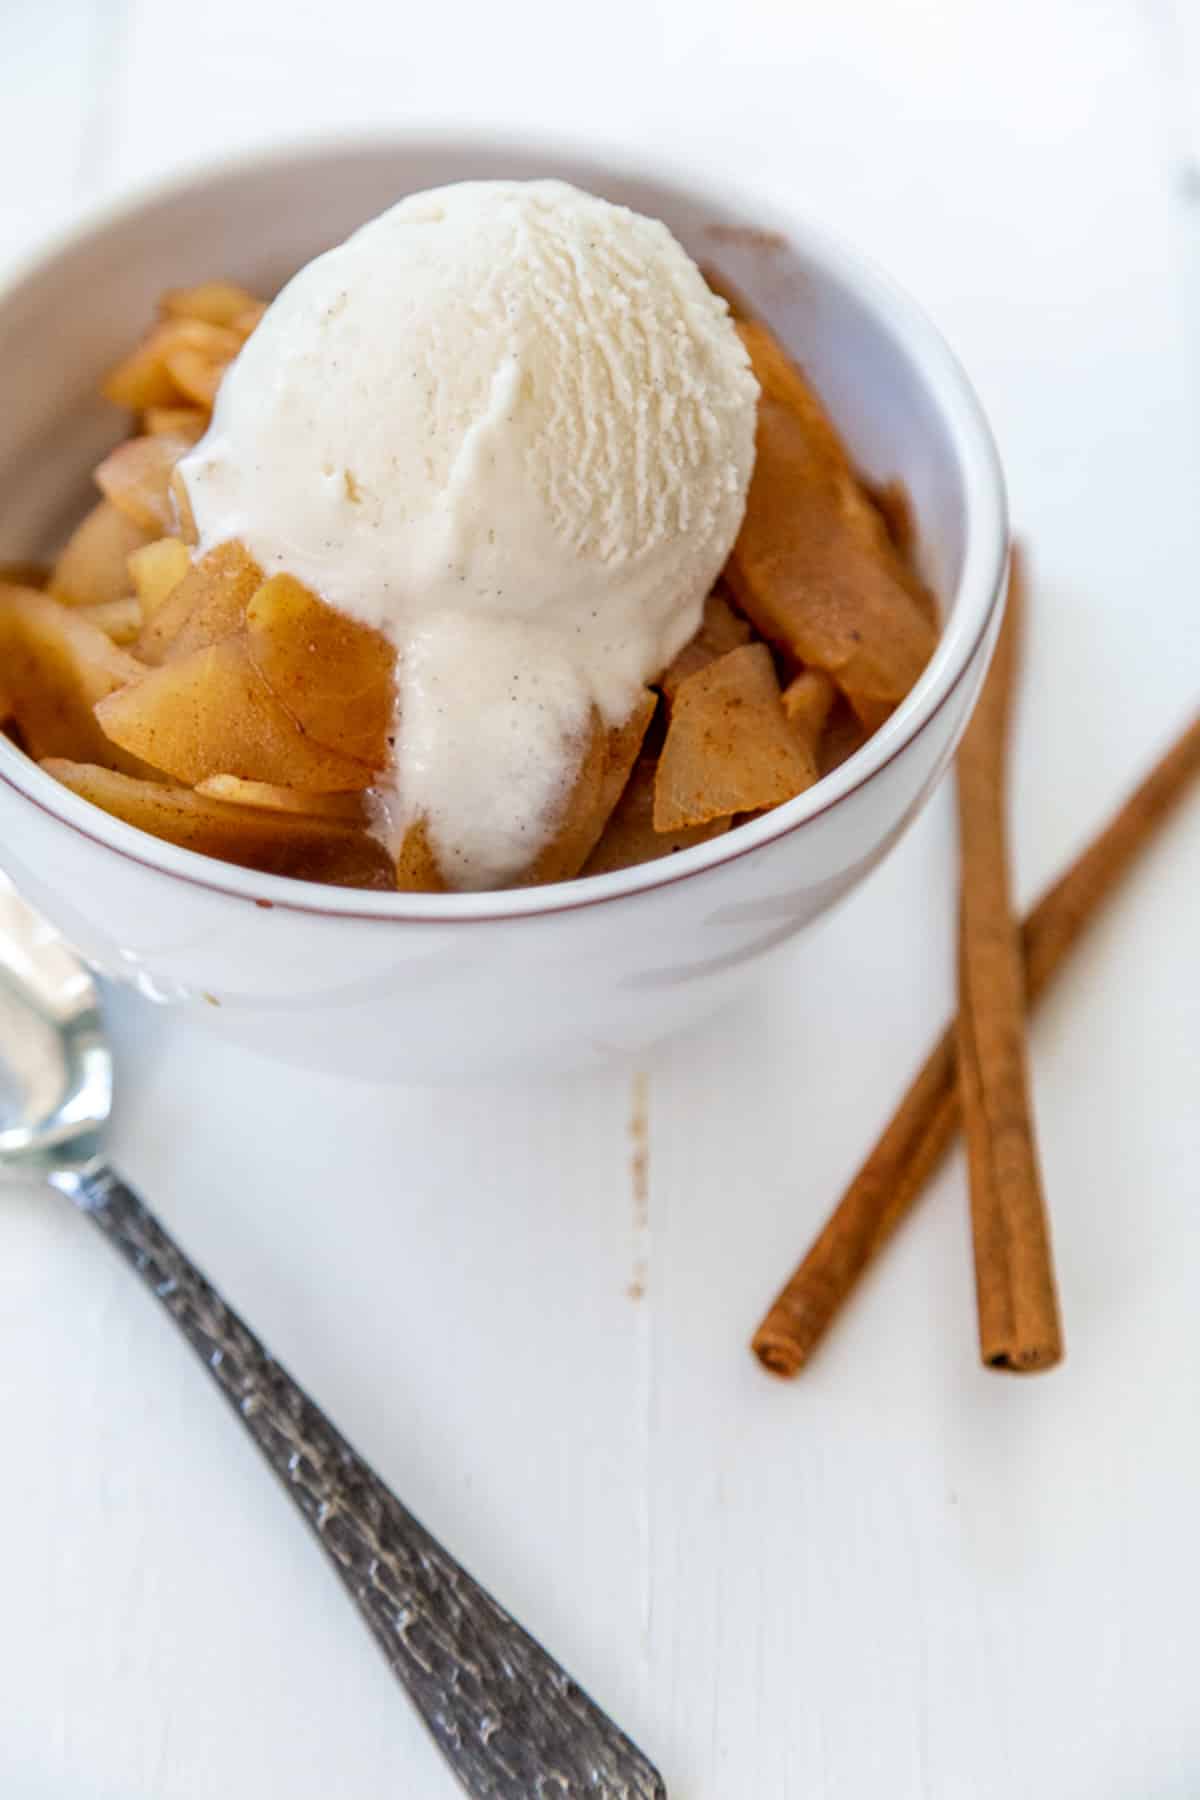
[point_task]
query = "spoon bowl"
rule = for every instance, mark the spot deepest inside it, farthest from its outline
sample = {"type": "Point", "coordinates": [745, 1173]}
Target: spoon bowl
{"type": "Point", "coordinates": [55, 1063]}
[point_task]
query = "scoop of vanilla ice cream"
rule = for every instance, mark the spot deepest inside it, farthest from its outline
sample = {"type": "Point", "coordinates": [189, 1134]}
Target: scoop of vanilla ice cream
{"type": "Point", "coordinates": [508, 424]}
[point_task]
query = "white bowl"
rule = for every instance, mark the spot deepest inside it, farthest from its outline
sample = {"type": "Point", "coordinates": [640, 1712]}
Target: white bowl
{"type": "Point", "coordinates": [417, 987]}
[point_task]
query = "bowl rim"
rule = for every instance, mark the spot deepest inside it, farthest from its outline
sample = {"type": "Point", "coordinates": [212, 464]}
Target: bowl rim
{"type": "Point", "coordinates": [972, 615]}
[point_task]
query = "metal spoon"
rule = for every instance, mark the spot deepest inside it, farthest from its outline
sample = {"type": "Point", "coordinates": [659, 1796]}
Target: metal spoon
{"type": "Point", "coordinates": [510, 1722]}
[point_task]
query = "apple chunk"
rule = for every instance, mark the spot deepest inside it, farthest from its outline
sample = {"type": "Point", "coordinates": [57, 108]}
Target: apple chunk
{"type": "Point", "coordinates": [721, 629]}
{"type": "Point", "coordinates": [150, 375]}
{"type": "Point", "coordinates": [136, 477]}
{"type": "Point", "coordinates": [729, 746]}
{"type": "Point", "coordinates": [417, 870]}
{"type": "Point", "coordinates": [808, 701]}
{"type": "Point", "coordinates": [156, 570]}
{"type": "Point", "coordinates": [305, 847]}
{"type": "Point", "coordinates": [120, 620]}
{"type": "Point", "coordinates": [334, 676]}
{"type": "Point", "coordinates": [213, 302]}
{"type": "Point", "coordinates": [207, 604]}
{"type": "Point", "coordinates": [813, 567]}
{"type": "Point", "coordinates": [57, 664]}
{"type": "Point", "coordinates": [629, 837]}
{"type": "Point", "coordinates": [187, 422]}
{"type": "Point", "coordinates": [211, 713]}
{"type": "Point", "coordinates": [281, 799]}
{"type": "Point", "coordinates": [94, 565]}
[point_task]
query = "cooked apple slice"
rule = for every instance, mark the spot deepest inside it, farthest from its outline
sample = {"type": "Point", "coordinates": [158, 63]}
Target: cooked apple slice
{"type": "Point", "coordinates": [120, 620]}
{"type": "Point", "coordinates": [721, 629]}
{"type": "Point", "coordinates": [813, 567]}
{"type": "Point", "coordinates": [729, 747]}
{"type": "Point", "coordinates": [629, 837]}
{"type": "Point", "coordinates": [248, 321]}
{"type": "Point", "coordinates": [208, 604]}
{"type": "Point", "coordinates": [623, 744]}
{"type": "Point", "coordinates": [198, 357]}
{"type": "Point", "coordinates": [417, 870]}
{"type": "Point", "coordinates": [278, 843]}
{"type": "Point", "coordinates": [334, 676]}
{"type": "Point", "coordinates": [211, 713]}
{"type": "Point", "coordinates": [141, 379]}
{"type": "Point", "coordinates": [843, 735]}
{"type": "Point", "coordinates": [196, 375]}
{"type": "Point", "coordinates": [148, 377]}
{"type": "Point", "coordinates": [156, 570]}
{"type": "Point", "coordinates": [93, 567]}
{"type": "Point", "coordinates": [280, 799]}
{"type": "Point", "coordinates": [808, 701]}
{"type": "Point", "coordinates": [214, 302]}
{"type": "Point", "coordinates": [891, 501]}
{"type": "Point", "coordinates": [57, 664]}
{"type": "Point", "coordinates": [136, 478]}
{"type": "Point", "coordinates": [187, 422]}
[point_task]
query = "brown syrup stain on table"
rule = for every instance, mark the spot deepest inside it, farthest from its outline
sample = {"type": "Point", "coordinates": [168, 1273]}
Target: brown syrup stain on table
{"type": "Point", "coordinates": [639, 1172]}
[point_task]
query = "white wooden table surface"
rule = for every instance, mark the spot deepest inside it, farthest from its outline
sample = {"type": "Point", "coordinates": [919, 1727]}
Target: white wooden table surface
{"type": "Point", "coordinates": [900, 1576]}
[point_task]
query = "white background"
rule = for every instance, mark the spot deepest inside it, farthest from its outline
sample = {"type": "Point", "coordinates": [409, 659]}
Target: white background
{"type": "Point", "coordinates": [900, 1576]}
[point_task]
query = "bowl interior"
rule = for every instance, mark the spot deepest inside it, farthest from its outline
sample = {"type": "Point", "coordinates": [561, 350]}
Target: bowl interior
{"type": "Point", "coordinates": [894, 390]}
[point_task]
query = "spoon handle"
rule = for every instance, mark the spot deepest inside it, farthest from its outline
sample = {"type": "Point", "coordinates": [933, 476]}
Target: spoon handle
{"type": "Point", "coordinates": [509, 1721]}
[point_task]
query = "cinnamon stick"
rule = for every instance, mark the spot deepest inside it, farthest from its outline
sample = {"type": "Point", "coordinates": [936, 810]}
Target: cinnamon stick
{"type": "Point", "coordinates": [916, 1140]}
{"type": "Point", "coordinates": [1017, 1297]}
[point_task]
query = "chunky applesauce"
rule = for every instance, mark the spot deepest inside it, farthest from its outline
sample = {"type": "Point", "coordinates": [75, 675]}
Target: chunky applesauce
{"type": "Point", "coordinates": [231, 710]}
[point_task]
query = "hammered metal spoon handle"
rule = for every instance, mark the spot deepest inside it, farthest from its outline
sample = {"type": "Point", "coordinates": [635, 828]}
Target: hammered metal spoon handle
{"type": "Point", "coordinates": [509, 1721]}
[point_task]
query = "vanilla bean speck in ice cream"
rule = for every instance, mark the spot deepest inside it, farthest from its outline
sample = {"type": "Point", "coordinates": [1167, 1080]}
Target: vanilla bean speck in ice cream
{"type": "Point", "coordinates": [508, 424]}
